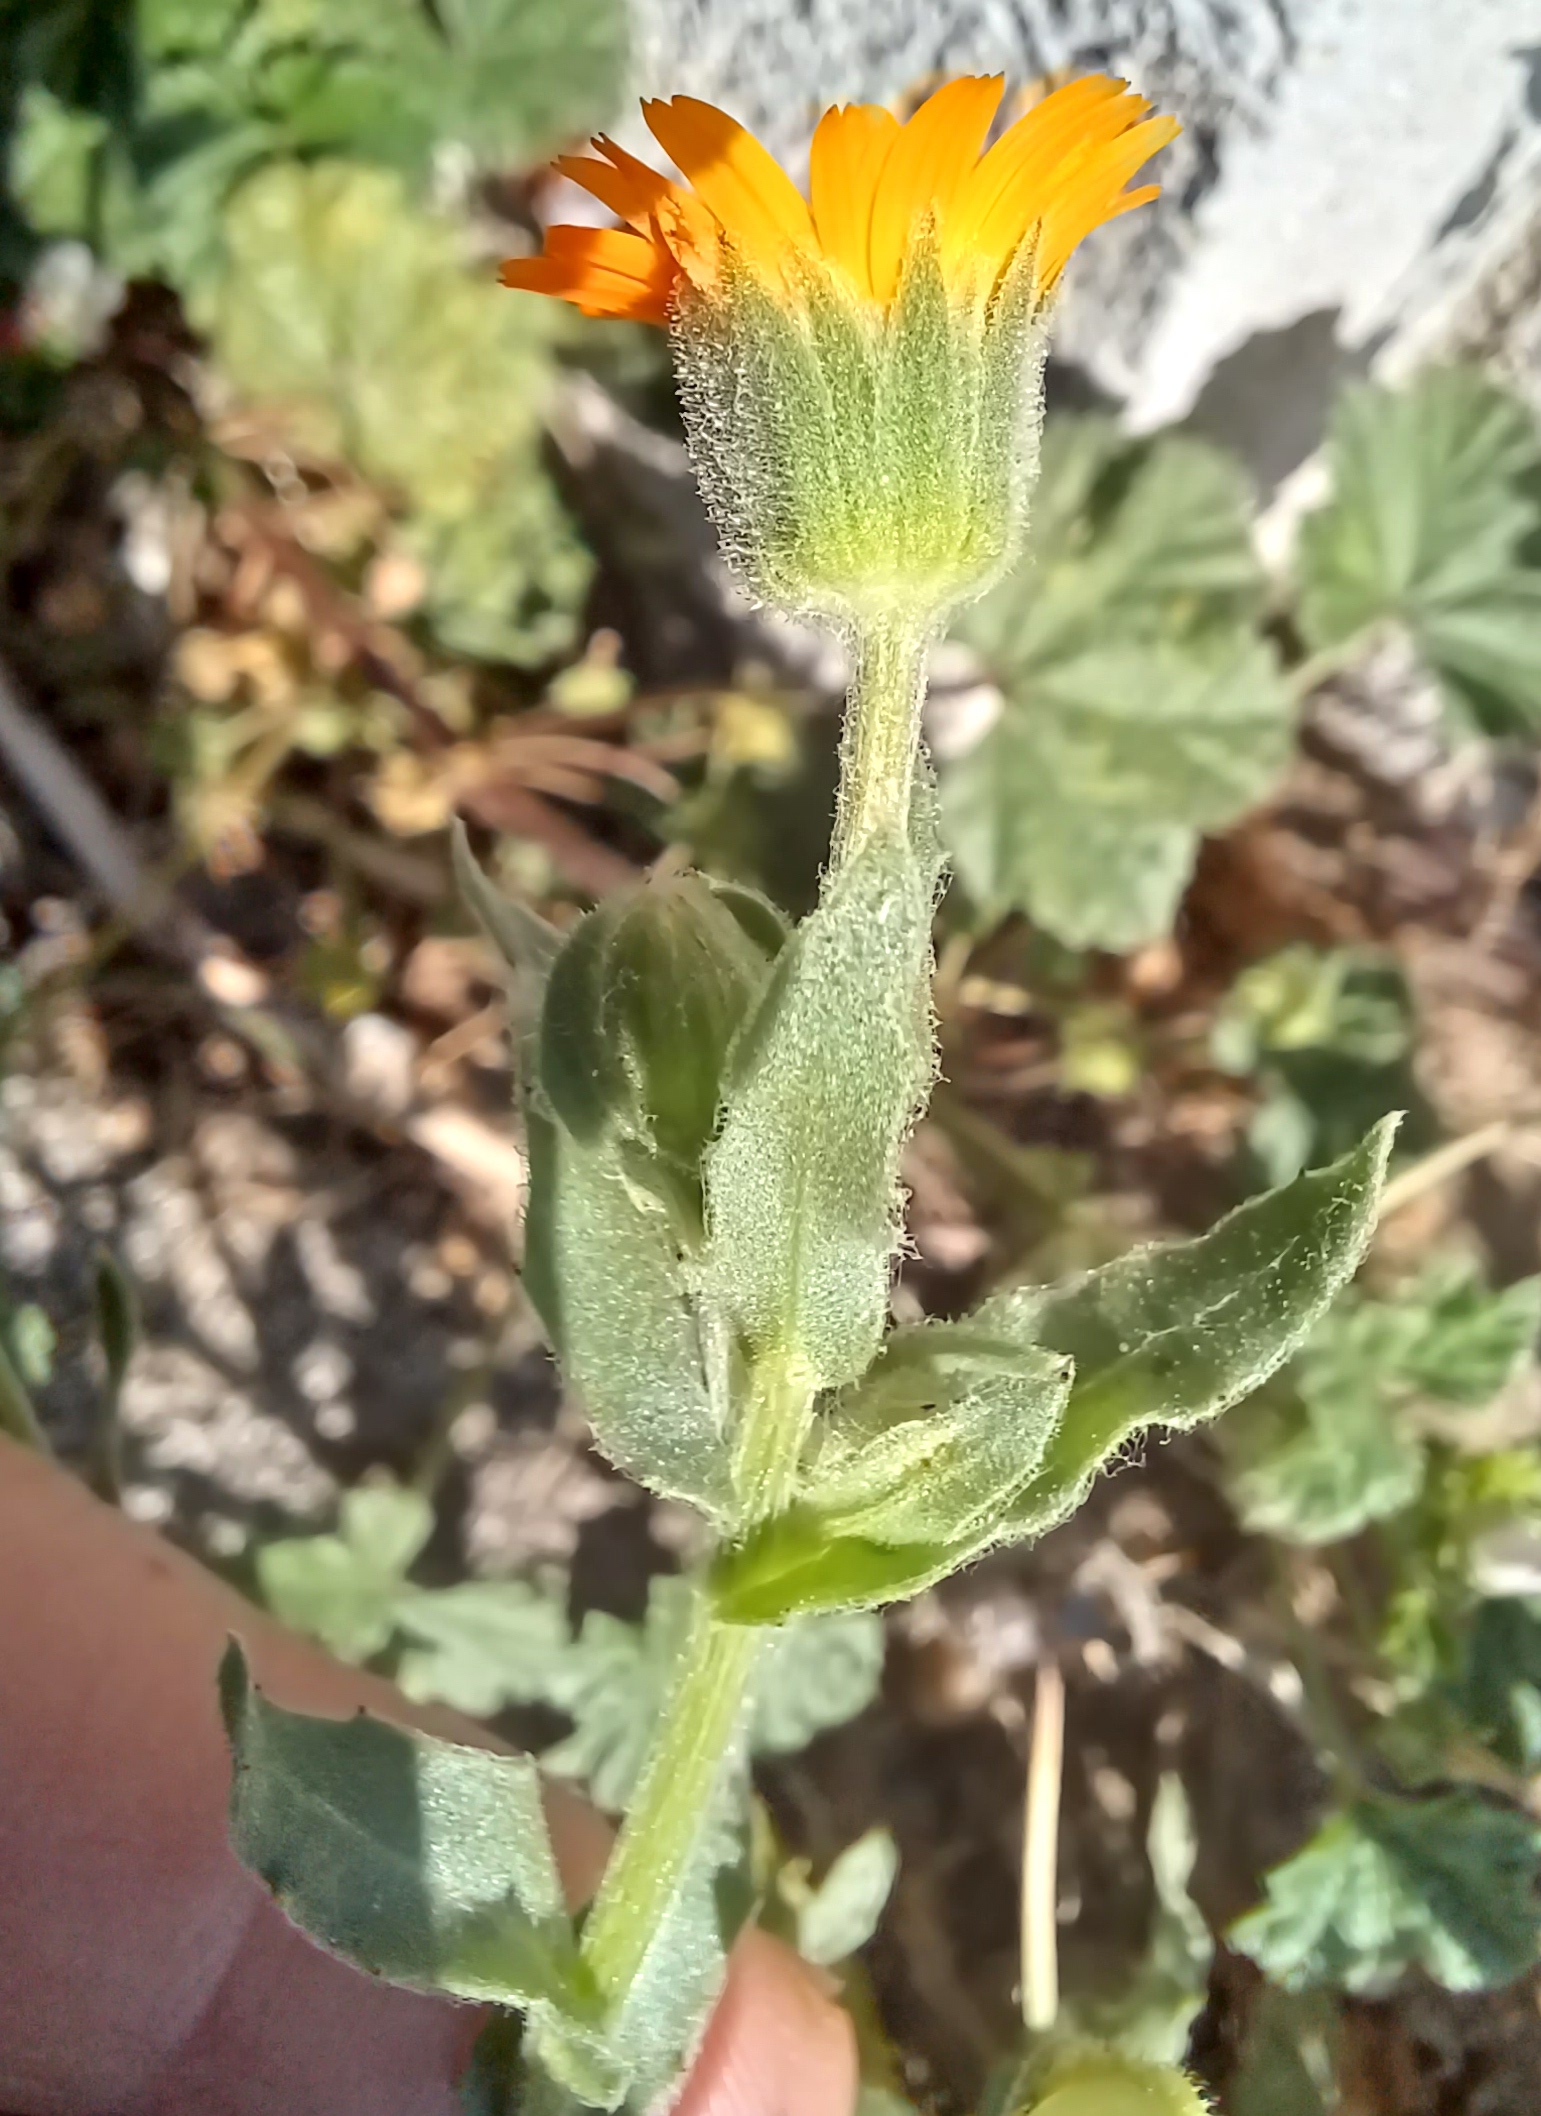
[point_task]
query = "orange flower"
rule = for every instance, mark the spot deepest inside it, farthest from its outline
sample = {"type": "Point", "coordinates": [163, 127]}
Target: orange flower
{"type": "Point", "coordinates": [1052, 177]}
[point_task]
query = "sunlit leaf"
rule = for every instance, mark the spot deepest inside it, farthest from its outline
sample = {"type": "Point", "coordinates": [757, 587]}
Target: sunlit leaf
{"type": "Point", "coordinates": [604, 1269]}
{"type": "Point", "coordinates": [1140, 707]}
{"type": "Point", "coordinates": [1083, 807]}
{"type": "Point", "coordinates": [1433, 509]}
{"type": "Point", "coordinates": [915, 1473]}
{"type": "Point", "coordinates": [348, 309]}
{"type": "Point", "coordinates": [802, 1188]}
{"type": "Point", "coordinates": [481, 1645]}
{"type": "Point", "coordinates": [1171, 1336]}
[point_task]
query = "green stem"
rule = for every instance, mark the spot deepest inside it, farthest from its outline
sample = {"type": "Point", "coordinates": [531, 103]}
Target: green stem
{"type": "Point", "coordinates": [881, 741]}
{"type": "Point", "coordinates": [673, 1804]}
{"type": "Point", "coordinates": [703, 1719]}
{"type": "Point", "coordinates": [777, 1410]}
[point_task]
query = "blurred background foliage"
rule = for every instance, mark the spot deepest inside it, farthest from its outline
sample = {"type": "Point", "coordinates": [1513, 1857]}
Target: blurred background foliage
{"type": "Point", "coordinates": [313, 539]}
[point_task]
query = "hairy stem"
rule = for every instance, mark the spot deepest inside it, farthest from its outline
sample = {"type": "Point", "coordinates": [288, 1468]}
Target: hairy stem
{"type": "Point", "coordinates": [777, 1411]}
{"type": "Point", "coordinates": [881, 741]}
{"type": "Point", "coordinates": [673, 1803]}
{"type": "Point", "coordinates": [703, 1719]}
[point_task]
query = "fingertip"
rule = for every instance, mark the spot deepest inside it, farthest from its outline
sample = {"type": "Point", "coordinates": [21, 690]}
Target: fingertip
{"type": "Point", "coordinates": [777, 2044]}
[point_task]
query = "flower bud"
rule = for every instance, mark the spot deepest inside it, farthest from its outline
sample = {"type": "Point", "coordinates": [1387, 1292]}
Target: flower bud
{"type": "Point", "coordinates": [641, 1008]}
{"type": "Point", "coordinates": [1088, 2080]}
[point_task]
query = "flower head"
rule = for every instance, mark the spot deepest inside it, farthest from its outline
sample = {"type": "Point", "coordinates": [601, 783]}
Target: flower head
{"type": "Point", "coordinates": [860, 367]}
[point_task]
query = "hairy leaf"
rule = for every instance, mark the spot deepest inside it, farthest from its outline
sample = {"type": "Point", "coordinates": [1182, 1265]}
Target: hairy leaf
{"type": "Point", "coordinates": [1169, 1337]}
{"type": "Point", "coordinates": [604, 1269]}
{"type": "Point", "coordinates": [413, 1858]}
{"type": "Point", "coordinates": [1433, 509]}
{"type": "Point", "coordinates": [1446, 1884]}
{"type": "Point", "coordinates": [914, 1474]}
{"type": "Point", "coordinates": [993, 1448]}
{"type": "Point", "coordinates": [802, 1182]}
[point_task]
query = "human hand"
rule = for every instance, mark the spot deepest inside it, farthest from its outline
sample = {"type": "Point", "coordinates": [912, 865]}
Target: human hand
{"type": "Point", "coordinates": [143, 1970]}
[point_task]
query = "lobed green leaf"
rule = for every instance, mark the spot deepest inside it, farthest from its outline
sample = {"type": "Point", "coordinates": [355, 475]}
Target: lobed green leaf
{"type": "Point", "coordinates": [344, 1589]}
{"type": "Point", "coordinates": [1446, 1884]}
{"type": "Point", "coordinates": [1140, 707]}
{"type": "Point", "coordinates": [1429, 526]}
{"type": "Point", "coordinates": [1084, 805]}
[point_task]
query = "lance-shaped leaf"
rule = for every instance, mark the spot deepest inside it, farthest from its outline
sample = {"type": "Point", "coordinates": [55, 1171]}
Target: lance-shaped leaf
{"type": "Point", "coordinates": [1000, 1444]}
{"type": "Point", "coordinates": [528, 943]}
{"type": "Point", "coordinates": [1169, 1337]}
{"type": "Point", "coordinates": [842, 1913]}
{"type": "Point", "coordinates": [604, 1269]}
{"type": "Point", "coordinates": [802, 1181]}
{"type": "Point", "coordinates": [916, 1474]}
{"type": "Point", "coordinates": [413, 1858]}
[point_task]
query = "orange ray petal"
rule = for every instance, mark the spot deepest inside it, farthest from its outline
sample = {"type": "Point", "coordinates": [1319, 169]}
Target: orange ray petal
{"type": "Point", "coordinates": [925, 168]}
{"type": "Point", "coordinates": [747, 189]}
{"type": "Point", "coordinates": [1093, 192]}
{"type": "Point", "coordinates": [1069, 231]}
{"type": "Point", "coordinates": [626, 185]}
{"type": "Point", "coordinates": [601, 271]}
{"type": "Point", "coordinates": [998, 201]}
{"type": "Point", "coordinates": [848, 151]}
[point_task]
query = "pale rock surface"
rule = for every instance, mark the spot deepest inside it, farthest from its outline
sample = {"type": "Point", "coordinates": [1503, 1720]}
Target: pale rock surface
{"type": "Point", "coordinates": [1358, 185]}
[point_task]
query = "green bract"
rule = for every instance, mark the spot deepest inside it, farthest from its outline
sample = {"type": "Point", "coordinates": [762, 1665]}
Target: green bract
{"type": "Point", "coordinates": [641, 1009]}
{"type": "Point", "coordinates": [855, 461]}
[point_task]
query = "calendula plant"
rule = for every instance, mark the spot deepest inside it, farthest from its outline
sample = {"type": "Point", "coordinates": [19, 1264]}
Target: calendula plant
{"type": "Point", "coordinates": [716, 1108]}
